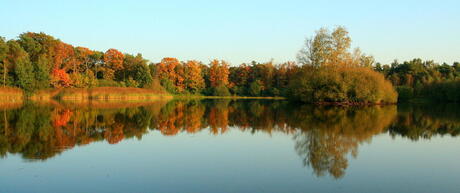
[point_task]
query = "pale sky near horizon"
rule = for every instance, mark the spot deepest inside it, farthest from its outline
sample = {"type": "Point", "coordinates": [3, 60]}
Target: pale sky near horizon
{"type": "Point", "coordinates": [241, 31]}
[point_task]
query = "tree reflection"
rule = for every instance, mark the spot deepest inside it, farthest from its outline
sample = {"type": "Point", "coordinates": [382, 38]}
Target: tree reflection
{"type": "Point", "coordinates": [325, 137]}
{"type": "Point", "coordinates": [426, 121]}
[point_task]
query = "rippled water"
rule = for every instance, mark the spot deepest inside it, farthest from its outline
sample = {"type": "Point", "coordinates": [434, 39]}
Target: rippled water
{"type": "Point", "coordinates": [228, 146]}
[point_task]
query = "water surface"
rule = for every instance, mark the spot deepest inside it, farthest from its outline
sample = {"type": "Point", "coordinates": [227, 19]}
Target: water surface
{"type": "Point", "coordinates": [228, 146]}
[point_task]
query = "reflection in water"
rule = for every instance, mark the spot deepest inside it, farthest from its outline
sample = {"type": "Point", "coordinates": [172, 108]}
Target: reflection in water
{"type": "Point", "coordinates": [416, 122]}
{"type": "Point", "coordinates": [328, 134]}
{"type": "Point", "coordinates": [324, 137]}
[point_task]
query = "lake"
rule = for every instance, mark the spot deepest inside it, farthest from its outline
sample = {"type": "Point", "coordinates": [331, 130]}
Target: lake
{"type": "Point", "coordinates": [228, 146]}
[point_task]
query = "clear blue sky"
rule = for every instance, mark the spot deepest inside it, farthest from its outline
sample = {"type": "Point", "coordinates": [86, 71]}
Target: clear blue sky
{"type": "Point", "coordinates": [241, 31]}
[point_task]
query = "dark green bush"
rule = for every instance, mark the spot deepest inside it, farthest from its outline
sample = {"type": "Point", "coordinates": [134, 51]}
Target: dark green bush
{"type": "Point", "coordinates": [221, 91]}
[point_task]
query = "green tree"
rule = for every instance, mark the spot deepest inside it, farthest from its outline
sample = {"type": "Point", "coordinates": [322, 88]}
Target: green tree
{"type": "Point", "coordinates": [255, 88]}
{"type": "Point", "coordinates": [42, 73]}
{"type": "Point", "coordinates": [23, 69]}
{"type": "Point", "coordinates": [3, 54]}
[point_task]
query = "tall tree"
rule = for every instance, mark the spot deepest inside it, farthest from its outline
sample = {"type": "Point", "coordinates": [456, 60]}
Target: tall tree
{"type": "Point", "coordinates": [218, 73]}
{"type": "Point", "coordinates": [332, 49]}
{"type": "Point", "coordinates": [3, 53]}
{"type": "Point", "coordinates": [23, 69]}
{"type": "Point", "coordinates": [193, 79]}
{"type": "Point", "coordinates": [42, 73]}
{"type": "Point", "coordinates": [113, 60]}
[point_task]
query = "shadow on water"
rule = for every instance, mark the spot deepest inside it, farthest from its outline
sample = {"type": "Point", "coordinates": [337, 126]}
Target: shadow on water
{"type": "Point", "coordinates": [324, 137]}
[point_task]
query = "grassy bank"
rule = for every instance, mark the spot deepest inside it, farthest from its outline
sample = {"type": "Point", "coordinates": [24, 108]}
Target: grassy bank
{"type": "Point", "coordinates": [105, 94]}
{"type": "Point", "coordinates": [99, 94]}
{"type": "Point", "coordinates": [8, 94]}
{"type": "Point", "coordinates": [225, 97]}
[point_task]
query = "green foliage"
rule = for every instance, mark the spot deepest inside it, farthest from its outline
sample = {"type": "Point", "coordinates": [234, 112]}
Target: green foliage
{"type": "Point", "coordinates": [141, 74]}
{"type": "Point", "coordinates": [448, 91]}
{"type": "Point", "coordinates": [109, 83]}
{"type": "Point", "coordinates": [255, 88]}
{"type": "Point", "coordinates": [42, 73]}
{"type": "Point", "coordinates": [86, 80]}
{"type": "Point", "coordinates": [131, 82]}
{"type": "Point", "coordinates": [405, 93]}
{"type": "Point", "coordinates": [136, 69]}
{"type": "Point", "coordinates": [25, 77]}
{"type": "Point", "coordinates": [221, 90]}
{"type": "Point", "coordinates": [23, 69]}
{"type": "Point", "coordinates": [4, 69]}
{"type": "Point", "coordinates": [419, 75]}
{"type": "Point", "coordinates": [155, 85]}
{"type": "Point", "coordinates": [3, 49]}
{"type": "Point", "coordinates": [169, 86]}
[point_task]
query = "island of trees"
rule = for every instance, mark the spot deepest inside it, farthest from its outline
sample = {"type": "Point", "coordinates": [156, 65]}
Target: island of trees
{"type": "Point", "coordinates": [327, 71]}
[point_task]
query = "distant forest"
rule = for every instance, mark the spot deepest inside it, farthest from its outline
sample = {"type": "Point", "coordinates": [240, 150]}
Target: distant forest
{"type": "Point", "coordinates": [36, 61]}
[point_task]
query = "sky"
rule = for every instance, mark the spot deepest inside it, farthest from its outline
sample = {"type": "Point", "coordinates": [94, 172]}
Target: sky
{"type": "Point", "coordinates": [241, 30]}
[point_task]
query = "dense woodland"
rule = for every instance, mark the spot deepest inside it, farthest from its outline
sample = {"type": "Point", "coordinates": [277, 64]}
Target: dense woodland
{"type": "Point", "coordinates": [424, 79]}
{"type": "Point", "coordinates": [326, 71]}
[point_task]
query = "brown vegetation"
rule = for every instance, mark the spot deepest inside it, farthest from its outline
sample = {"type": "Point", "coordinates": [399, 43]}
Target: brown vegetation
{"type": "Point", "coordinates": [8, 94]}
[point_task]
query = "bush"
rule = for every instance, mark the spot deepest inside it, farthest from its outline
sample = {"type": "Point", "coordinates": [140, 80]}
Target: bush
{"type": "Point", "coordinates": [448, 91]}
{"type": "Point", "coordinates": [341, 84]}
{"type": "Point", "coordinates": [405, 93]}
{"type": "Point", "coordinates": [131, 83]}
{"type": "Point", "coordinates": [169, 86]}
{"type": "Point", "coordinates": [86, 80]}
{"type": "Point", "coordinates": [255, 88]}
{"type": "Point", "coordinates": [221, 91]}
{"type": "Point", "coordinates": [155, 85]}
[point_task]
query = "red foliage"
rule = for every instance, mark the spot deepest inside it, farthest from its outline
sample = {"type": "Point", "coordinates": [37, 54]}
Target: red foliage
{"type": "Point", "coordinates": [62, 118]}
{"type": "Point", "coordinates": [60, 79]}
{"type": "Point", "coordinates": [114, 59]}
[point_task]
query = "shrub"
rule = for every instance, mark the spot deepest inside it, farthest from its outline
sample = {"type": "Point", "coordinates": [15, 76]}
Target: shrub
{"type": "Point", "coordinates": [341, 84]}
{"type": "Point", "coordinates": [169, 86]}
{"type": "Point", "coordinates": [86, 80]}
{"type": "Point", "coordinates": [448, 91]}
{"type": "Point", "coordinates": [255, 88]}
{"type": "Point", "coordinates": [221, 90]}
{"type": "Point", "coordinates": [155, 85]}
{"type": "Point", "coordinates": [405, 93]}
{"type": "Point", "coordinates": [131, 83]}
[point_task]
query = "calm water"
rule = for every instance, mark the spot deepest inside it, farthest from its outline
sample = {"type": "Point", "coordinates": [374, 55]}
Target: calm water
{"type": "Point", "coordinates": [228, 146]}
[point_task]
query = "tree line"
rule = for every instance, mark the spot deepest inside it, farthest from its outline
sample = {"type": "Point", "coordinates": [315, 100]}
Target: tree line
{"type": "Point", "coordinates": [38, 61]}
{"type": "Point", "coordinates": [423, 79]}
{"type": "Point", "coordinates": [327, 71]}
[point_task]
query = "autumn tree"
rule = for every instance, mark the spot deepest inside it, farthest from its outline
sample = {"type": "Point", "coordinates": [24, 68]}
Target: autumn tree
{"type": "Point", "coordinates": [64, 57]}
{"type": "Point", "coordinates": [331, 73]}
{"type": "Point", "coordinates": [60, 79]}
{"type": "Point", "coordinates": [332, 49]}
{"type": "Point", "coordinates": [179, 81]}
{"type": "Point", "coordinates": [239, 76]}
{"type": "Point", "coordinates": [171, 73]}
{"type": "Point", "coordinates": [96, 61]}
{"type": "Point", "coordinates": [218, 73]}
{"type": "Point", "coordinates": [113, 60]}
{"type": "Point", "coordinates": [83, 59]}
{"type": "Point", "coordinates": [194, 81]}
